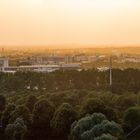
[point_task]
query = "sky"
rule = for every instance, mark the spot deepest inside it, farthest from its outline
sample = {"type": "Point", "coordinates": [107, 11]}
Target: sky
{"type": "Point", "coordinates": [69, 22]}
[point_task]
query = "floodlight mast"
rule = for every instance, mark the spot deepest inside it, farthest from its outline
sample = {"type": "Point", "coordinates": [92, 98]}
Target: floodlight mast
{"type": "Point", "coordinates": [110, 71]}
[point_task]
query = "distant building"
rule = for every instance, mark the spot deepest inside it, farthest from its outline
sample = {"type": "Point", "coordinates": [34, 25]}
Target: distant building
{"type": "Point", "coordinates": [102, 69]}
{"type": "Point", "coordinates": [56, 59]}
{"type": "Point", "coordinates": [92, 58]}
{"type": "Point", "coordinates": [44, 60]}
{"type": "Point", "coordinates": [3, 64]}
{"type": "Point", "coordinates": [71, 66]}
{"type": "Point", "coordinates": [81, 57]}
{"type": "Point", "coordinates": [69, 59]}
{"type": "Point", "coordinates": [42, 68]}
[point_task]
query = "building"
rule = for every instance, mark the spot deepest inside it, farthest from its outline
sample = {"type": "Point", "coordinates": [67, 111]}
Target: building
{"type": "Point", "coordinates": [80, 58]}
{"type": "Point", "coordinates": [69, 59]}
{"type": "Point", "coordinates": [71, 66]}
{"type": "Point", "coordinates": [92, 58]}
{"type": "Point", "coordinates": [3, 64]}
{"type": "Point", "coordinates": [58, 64]}
{"type": "Point", "coordinates": [102, 69]}
{"type": "Point", "coordinates": [33, 68]}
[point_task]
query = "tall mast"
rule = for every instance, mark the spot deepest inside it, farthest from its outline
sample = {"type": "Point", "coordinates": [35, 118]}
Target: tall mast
{"type": "Point", "coordinates": [110, 71]}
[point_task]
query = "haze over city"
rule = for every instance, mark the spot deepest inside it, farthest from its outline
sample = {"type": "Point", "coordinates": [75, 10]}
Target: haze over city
{"type": "Point", "coordinates": [69, 23]}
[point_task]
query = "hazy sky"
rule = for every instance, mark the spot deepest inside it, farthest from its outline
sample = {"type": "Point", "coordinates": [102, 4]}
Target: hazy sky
{"type": "Point", "coordinates": [81, 22]}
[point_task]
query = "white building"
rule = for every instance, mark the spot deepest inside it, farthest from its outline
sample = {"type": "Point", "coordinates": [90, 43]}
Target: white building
{"type": "Point", "coordinates": [71, 66]}
{"type": "Point", "coordinates": [102, 69]}
{"type": "Point", "coordinates": [3, 64]}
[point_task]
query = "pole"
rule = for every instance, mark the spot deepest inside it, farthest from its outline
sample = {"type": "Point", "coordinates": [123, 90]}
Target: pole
{"type": "Point", "coordinates": [110, 70]}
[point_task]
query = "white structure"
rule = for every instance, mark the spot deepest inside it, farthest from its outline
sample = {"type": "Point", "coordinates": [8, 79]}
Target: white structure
{"type": "Point", "coordinates": [3, 64]}
{"type": "Point", "coordinates": [33, 68]}
{"type": "Point", "coordinates": [103, 69]}
{"type": "Point", "coordinates": [71, 66]}
{"type": "Point", "coordinates": [110, 69]}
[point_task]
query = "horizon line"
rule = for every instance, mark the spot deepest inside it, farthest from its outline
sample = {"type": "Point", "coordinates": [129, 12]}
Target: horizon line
{"type": "Point", "coordinates": [70, 46]}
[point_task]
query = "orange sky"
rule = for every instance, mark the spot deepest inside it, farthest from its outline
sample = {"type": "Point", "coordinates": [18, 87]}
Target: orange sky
{"type": "Point", "coordinates": [80, 22]}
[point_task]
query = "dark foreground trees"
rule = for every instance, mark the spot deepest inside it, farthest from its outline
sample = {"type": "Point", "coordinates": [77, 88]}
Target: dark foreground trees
{"type": "Point", "coordinates": [64, 116]}
{"type": "Point", "coordinates": [42, 115]}
{"type": "Point", "coordinates": [96, 127]}
{"type": "Point", "coordinates": [2, 103]}
{"type": "Point", "coordinates": [132, 118]}
{"type": "Point", "coordinates": [48, 104]}
{"type": "Point", "coordinates": [16, 130]}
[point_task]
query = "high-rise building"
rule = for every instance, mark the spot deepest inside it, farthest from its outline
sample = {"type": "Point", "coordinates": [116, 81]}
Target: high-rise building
{"type": "Point", "coordinates": [4, 62]}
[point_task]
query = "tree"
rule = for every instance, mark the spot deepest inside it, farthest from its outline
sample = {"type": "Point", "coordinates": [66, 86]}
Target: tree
{"type": "Point", "coordinates": [132, 118]}
{"type": "Point", "coordinates": [108, 98]}
{"type": "Point", "coordinates": [21, 112]}
{"type": "Point", "coordinates": [42, 115]}
{"type": "Point", "coordinates": [92, 105]}
{"type": "Point", "coordinates": [16, 130]}
{"type": "Point", "coordinates": [95, 105]}
{"type": "Point", "coordinates": [30, 102]}
{"type": "Point", "coordinates": [94, 126]}
{"type": "Point", "coordinates": [57, 98]}
{"type": "Point", "coordinates": [2, 103]}
{"type": "Point", "coordinates": [124, 102]}
{"type": "Point", "coordinates": [138, 99]}
{"type": "Point", "coordinates": [64, 116]}
{"type": "Point", "coordinates": [110, 113]}
{"type": "Point", "coordinates": [7, 114]}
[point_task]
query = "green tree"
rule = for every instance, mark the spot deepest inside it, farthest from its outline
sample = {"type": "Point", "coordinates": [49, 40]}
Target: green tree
{"type": "Point", "coordinates": [132, 118]}
{"type": "Point", "coordinates": [124, 102]}
{"type": "Point", "coordinates": [95, 105]}
{"type": "Point", "coordinates": [64, 116]}
{"type": "Point", "coordinates": [7, 114]}
{"type": "Point", "coordinates": [92, 105]}
{"type": "Point", "coordinates": [93, 126]}
{"type": "Point", "coordinates": [16, 130]}
{"type": "Point", "coordinates": [21, 112]}
{"type": "Point", "coordinates": [42, 115]}
{"type": "Point", "coordinates": [2, 103]}
{"type": "Point", "coordinates": [138, 99]}
{"type": "Point", "coordinates": [30, 102]}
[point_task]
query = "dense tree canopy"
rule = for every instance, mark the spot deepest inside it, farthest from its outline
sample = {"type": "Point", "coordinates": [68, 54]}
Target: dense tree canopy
{"type": "Point", "coordinates": [7, 114]}
{"type": "Point", "coordinates": [67, 105]}
{"type": "Point", "coordinates": [64, 116]}
{"type": "Point", "coordinates": [123, 80]}
{"type": "Point", "coordinates": [2, 102]}
{"type": "Point", "coordinates": [16, 130]}
{"type": "Point", "coordinates": [132, 118]}
{"type": "Point", "coordinates": [42, 115]}
{"type": "Point", "coordinates": [91, 127]}
{"type": "Point", "coordinates": [30, 102]}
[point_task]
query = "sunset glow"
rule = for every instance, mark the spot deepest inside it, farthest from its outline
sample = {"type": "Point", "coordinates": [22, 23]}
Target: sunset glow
{"type": "Point", "coordinates": [66, 22]}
